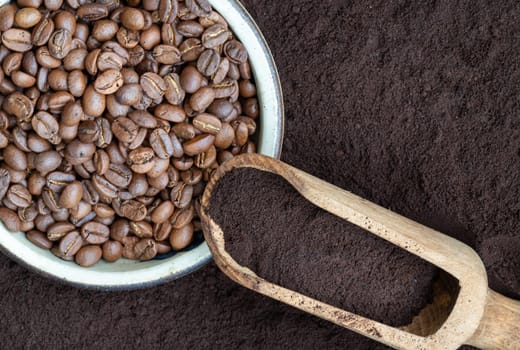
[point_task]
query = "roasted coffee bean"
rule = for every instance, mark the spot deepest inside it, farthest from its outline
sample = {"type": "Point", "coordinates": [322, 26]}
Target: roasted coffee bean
{"type": "Point", "coordinates": [95, 233]}
{"type": "Point", "coordinates": [15, 158]}
{"type": "Point", "coordinates": [71, 195]}
{"type": "Point", "coordinates": [190, 29]}
{"type": "Point", "coordinates": [59, 230]}
{"type": "Point", "coordinates": [53, 5]}
{"type": "Point", "coordinates": [70, 244]}
{"type": "Point", "coordinates": [93, 102]}
{"type": "Point", "coordinates": [112, 251]}
{"type": "Point", "coordinates": [180, 238]}
{"type": "Point", "coordinates": [143, 119]}
{"type": "Point", "coordinates": [110, 60]}
{"type": "Point", "coordinates": [207, 123]}
{"type": "Point", "coordinates": [92, 12]}
{"type": "Point", "coordinates": [191, 49]}
{"type": "Point", "coordinates": [161, 143]}
{"type": "Point", "coordinates": [166, 54]}
{"type": "Point", "coordinates": [202, 99]}
{"type": "Point", "coordinates": [88, 255]}
{"type": "Point", "coordinates": [207, 158]}
{"type": "Point", "coordinates": [145, 249]}
{"type": "Point", "coordinates": [22, 79]}
{"type": "Point", "coordinates": [103, 187]}
{"type": "Point", "coordinates": [47, 161]}
{"type": "Point", "coordinates": [12, 63]}
{"type": "Point", "coordinates": [162, 213]}
{"type": "Point", "coordinates": [108, 82]}
{"type": "Point", "coordinates": [208, 62]}
{"type": "Point", "coordinates": [119, 175]}
{"type": "Point", "coordinates": [191, 79]}
{"type": "Point", "coordinates": [19, 195]}
{"type": "Point", "coordinates": [65, 20]}
{"type": "Point", "coordinates": [77, 152]}
{"type": "Point", "coordinates": [39, 239]}
{"type": "Point", "coordinates": [141, 160]}
{"type": "Point", "coordinates": [133, 210]}
{"type": "Point", "coordinates": [132, 19]}
{"type": "Point", "coordinates": [7, 14]}
{"type": "Point", "coordinates": [198, 144]}
{"type": "Point", "coordinates": [129, 94]}
{"type": "Point", "coordinates": [215, 35]}
{"type": "Point", "coordinates": [181, 195]}
{"type": "Point", "coordinates": [200, 8]}
{"type": "Point", "coordinates": [153, 85]}
{"type": "Point", "coordinates": [57, 180]}
{"type": "Point", "coordinates": [10, 219]}
{"type": "Point", "coordinates": [119, 230]}
{"type": "Point", "coordinates": [20, 106]}
{"type": "Point", "coordinates": [124, 129]}
{"type": "Point", "coordinates": [60, 43]}
{"type": "Point", "coordinates": [150, 37]}
{"type": "Point", "coordinates": [175, 93]}
{"type": "Point", "coordinates": [141, 229]}
{"type": "Point", "coordinates": [18, 40]}
{"type": "Point", "coordinates": [104, 30]}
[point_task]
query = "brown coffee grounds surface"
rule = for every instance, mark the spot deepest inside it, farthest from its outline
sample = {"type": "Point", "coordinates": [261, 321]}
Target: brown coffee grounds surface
{"type": "Point", "coordinates": [270, 228]}
{"type": "Point", "coordinates": [411, 104]}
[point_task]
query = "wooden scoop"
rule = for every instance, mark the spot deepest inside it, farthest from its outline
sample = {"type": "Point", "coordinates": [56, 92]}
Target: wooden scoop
{"type": "Point", "coordinates": [463, 312]}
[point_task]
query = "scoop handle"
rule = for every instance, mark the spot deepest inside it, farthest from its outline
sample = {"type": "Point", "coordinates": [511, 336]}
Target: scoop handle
{"type": "Point", "coordinates": [499, 328]}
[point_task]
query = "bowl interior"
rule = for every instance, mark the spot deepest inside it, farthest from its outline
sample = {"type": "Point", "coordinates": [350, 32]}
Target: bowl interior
{"type": "Point", "coordinates": [127, 274]}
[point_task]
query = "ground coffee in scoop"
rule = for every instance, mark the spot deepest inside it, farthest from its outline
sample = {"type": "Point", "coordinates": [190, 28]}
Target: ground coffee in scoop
{"type": "Point", "coordinates": [273, 230]}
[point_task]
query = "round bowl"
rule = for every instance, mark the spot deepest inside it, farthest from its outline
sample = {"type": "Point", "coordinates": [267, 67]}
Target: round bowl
{"type": "Point", "coordinates": [127, 274]}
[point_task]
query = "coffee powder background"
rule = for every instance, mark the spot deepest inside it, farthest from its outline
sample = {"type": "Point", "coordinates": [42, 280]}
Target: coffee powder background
{"type": "Point", "coordinates": [411, 104]}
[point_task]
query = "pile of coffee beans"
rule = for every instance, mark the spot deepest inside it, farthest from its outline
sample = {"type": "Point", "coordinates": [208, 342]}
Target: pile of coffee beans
{"type": "Point", "coordinates": [113, 117]}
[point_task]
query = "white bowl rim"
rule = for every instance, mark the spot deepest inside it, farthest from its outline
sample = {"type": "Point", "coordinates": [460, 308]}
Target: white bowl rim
{"type": "Point", "coordinates": [126, 274]}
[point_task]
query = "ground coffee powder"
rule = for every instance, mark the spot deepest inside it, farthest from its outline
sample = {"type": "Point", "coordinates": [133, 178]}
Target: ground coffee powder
{"type": "Point", "coordinates": [285, 239]}
{"type": "Point", "coordinates": [411, 104]}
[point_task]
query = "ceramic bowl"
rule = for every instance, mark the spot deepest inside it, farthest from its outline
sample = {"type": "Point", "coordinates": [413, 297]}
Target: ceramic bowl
{"type": "Point", "coordinates": [126, 274]}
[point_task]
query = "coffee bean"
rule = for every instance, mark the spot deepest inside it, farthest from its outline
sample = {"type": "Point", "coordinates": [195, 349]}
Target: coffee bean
{"type": "Point", "coordinates": [151, 37]}
{"type": "Point", "coordinates": [207, 123]}
{"type": "Point", "coordinates": [145, 249]}
{"type": "Point", "coordinates": [78, 152]}
{"type": "Point", "coordinates": [18, 40]}
{"type": "Point", "coordinates": [88, 255]}
{"type": "Point", "coordinates": [168, 10]}
{"type": "Point", "coordinates": [124, 129]}
{"type": "Point", "coordinates": [20, 106]}
{"type": "Point", "coordinates": [163, 212]}
{"type": "Point", "coordinates": [39, 239]}
{"type": "Point", "coordinates": [23, 80]}
{"type": "Point", "coordinates": [215, 35]}
{"type": "Point", "coordinates": [92, 12]}
{"type": "Point", "coordinates": [10, 219]}
{"type": "Point", "coordinates": [7, 14]}
{"type": "Point", "coordinates": [60, 43]}
{"type": "Point", "coordinates": [95, 233]}
{"type": "Point", "coordinates": [27, 17]}
{"type": "Point", "coordinates": [103, 187]}
{"type": "Point", "coordinates": [181, 195]}
{"type": "Point", "coordinates": [191, 49]}
{"type": "Point", "coordinates": [112, 251]}
{"type": "Point", "coordinates": [71, 195]}
{"type": "Point", "coordinates": [132, 19]}
{"type": "Point", "coordinates": [141, 160]}
{"type": "Point", "coordinates": [110, 60]}
{"type": "Point", "coordinates": [143, 119]}
{"type": "Point", "coordinates": [200, 8]}
{"type": "Point", "coordinates": [180, 238]}
{"type": "Point", "coordinates": [119, 175]}
{"type": "Point", "coordinates": [202, 99]}
{"type": "Point", "coordinates": [198, 144]}
{"type": "Point", "coordinates": [93, 102]}
{"type": "Point", "coordinates": [133, 210]}
{"type": "Point", "coordinates": [108, 82]}
{"type": "Point", "coordinates": [207, 158]}
{"type": "Point", "coordinates": [208, 62]}
{"type": "Point", "coordinates": [166, 54]}
{"type": "Point", "coordinates": [42, 32]}
{"type": "Point", "coordinates": [104, 30]}
{"type": "Point", "coordinates": [77, 82]}
{"type": "Point", "coordinates": [161, 143]}
{"type": "Point", "coordinates": [70, 244]}
{"type": "Point", "coordinates": [153, 85]}
{"type": "Point", "coordinates": [12, 63]}
{"type": "Point", "coordinates": [48, 161]}
{"type": "Point", "coordinates": [19, 195]}
{"type": "Point", "coordinates": [15, 158]}
{"type": "Point", "coordinates": [59, 230]}
{"type": "Point", "coordinates": [191, 79]}
{"type": "Point", "coordinates": [141, 229]}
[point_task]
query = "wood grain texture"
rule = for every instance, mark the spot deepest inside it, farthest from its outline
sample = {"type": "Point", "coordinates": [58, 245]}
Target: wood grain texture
{"type": "Point", "coordinates": [474, 308]}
